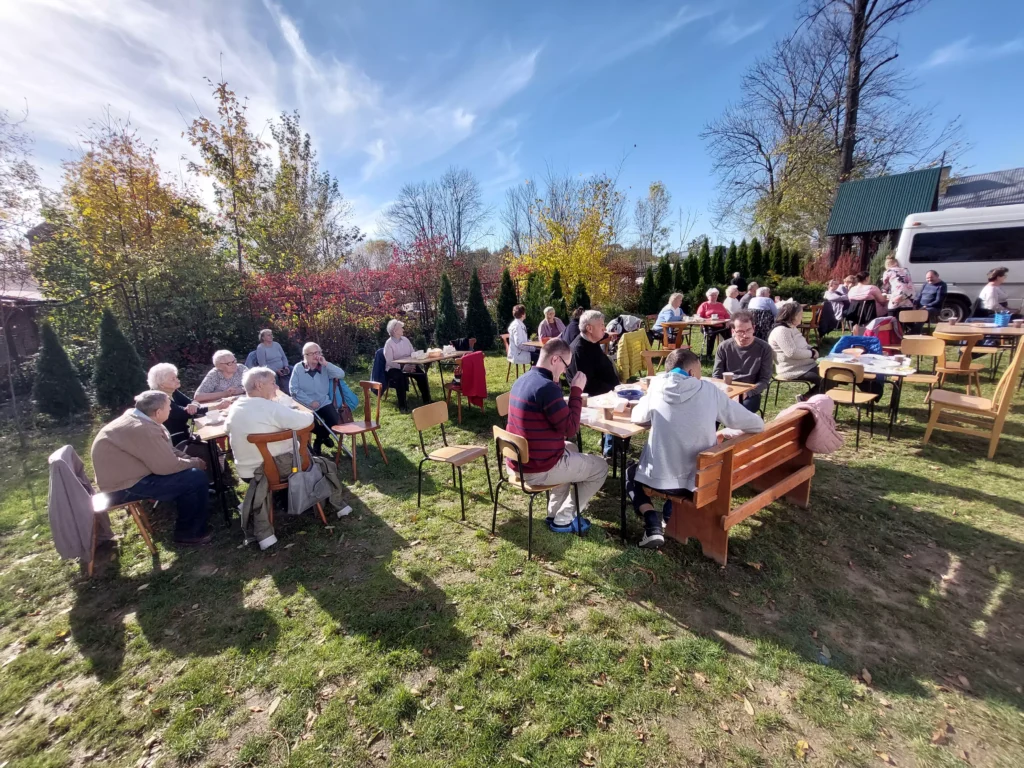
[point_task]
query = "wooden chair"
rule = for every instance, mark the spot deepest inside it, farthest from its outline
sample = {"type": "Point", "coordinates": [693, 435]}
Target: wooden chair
{"type": "Point", "coordinates": [924, 346]}
{"type": "Point", "coordinates": [910, 316]}
{"type": "Point", "coordinates": [654, 359]}
{"type": "Point", "coordinates": [270, 466]}
{"type": "Point", "coordinates": [777, 382]}
{"type": "Point", "coordinates": [515, 448]}
{"type": "Point", "coordinates": [979, 411]}
{"type": "Point", "coordinates": [964, 365]}
{"type": "Point", "coordinates": [457, 456]}
{"type": "Point", "coordinates": [813, 324]}
{"type": "Point", "coordinates": [501, 402]}
{"type": "Point", "coordinates": [508, 372]}
{"type": "Point", "coordinates": [362, 427]}
{"type": "Point", "coordinates": [776, 462]}
{"type": "Point", "coordinates": [852, 374]}
{"type": "Point", "coordinates": [649, 321]}
{"type": "Point", "coordinates": [452, 388]}
{"type": "Point", "coordinates": [101, 503]}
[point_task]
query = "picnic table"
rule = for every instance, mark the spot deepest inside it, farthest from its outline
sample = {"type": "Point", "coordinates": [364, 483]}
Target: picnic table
{"type": "Point", "coordinates": [426, 361]}
{"type": "Point", "coordinates": [623, 430]}
{"type": "Point", "coordinates": [213, 430]}
{"type": "Point", "coordinates": [885, 368]}
{"type": "Point", "coordinates": [1009, 333]}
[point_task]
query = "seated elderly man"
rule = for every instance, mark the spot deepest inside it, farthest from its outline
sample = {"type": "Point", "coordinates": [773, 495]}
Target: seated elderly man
{"type": "Point", "coordinates": [270, 355]}
{"type": "Point", "coordinates": [588, 357]}
{"type": "Point", "coordinates": [747, 297]}
{"type": "Point", "coordinates": [133, 460]}
{"type": "Point", "coordinates": [538, 412]}
{"type": "Point", "coordinates": [223, 380]}
{"type": "Point", "coordinates": [258, 414]}
{"type": "Point", "coordinates": [763, 301]}
{"type": "Point", "coordinates": [682, 411]}
{"type": "Point", "coordinates": [311, 385]}
{"type": "Point", "coordinates": [164, 376]}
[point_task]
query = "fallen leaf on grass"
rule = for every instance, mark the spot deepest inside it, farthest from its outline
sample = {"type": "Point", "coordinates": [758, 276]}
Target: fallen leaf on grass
{"type": "Point", "coordinates": [142, 587]}
{"type": "Point", "coordinates": [801, 748]}
{"type": "Point", "coordinates": [964, 682]}
{"type": "Point", "coordinates": [865, 676]}
{"type": "Point", "coordinates": [600, 680]}
{"type": "Point", "coordinates": [289, 545]}
{"type": "Point", "coordinates": [255, 709]}
{"type": "Point", "coordinates": [522, 760]}
{"type": "Point", "coordinates": [415, 542]}
{"type": "Point", "coordinates": [673, 691]}
{"type": "Point", "coordinates": [814, 634]}
{"type": "Point", "coordinates": [377, 735]}
{"type": "Point", "coordinates": [756, 566]}
{"type": "Point", "coordinates": [603, 721]}
{"type": "Point", "coordinates": [273, 706]}
{"type": "Point", "coordinates": [885, 758]}
{"type": "Point", "coordinates": [939, 737]}
{"type": "Point", "coordinates": [885, 702]}
{"type": "Point", "coordinates": [734, 594]}
{"type": "Point", "coordinates": [459, 707]}
{"type": "Point", "coordinates": [587, 760]}
{"type": "Point", "coordinates": [748, 706]}
{"type": "Point", "coordinates": [647, 664]}
{"type": "Point", "coordinates": [724, 726]}
{"type": "Point", "coordinates": [699, 677]}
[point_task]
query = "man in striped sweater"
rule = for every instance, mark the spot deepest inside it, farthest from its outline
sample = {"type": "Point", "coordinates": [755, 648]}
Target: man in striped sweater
{"type": "Point", "coordinates": [538, 412]}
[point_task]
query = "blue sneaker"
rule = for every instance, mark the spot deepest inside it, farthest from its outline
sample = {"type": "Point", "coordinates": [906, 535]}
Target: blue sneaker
{"type": "Point", "coordinates": [584, 526]}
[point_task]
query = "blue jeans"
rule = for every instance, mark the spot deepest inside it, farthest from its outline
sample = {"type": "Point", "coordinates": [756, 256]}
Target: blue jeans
{"type": "Point", "coordinates": [608, 444]}
{"type": "Point", "coordinates": [189, 488]}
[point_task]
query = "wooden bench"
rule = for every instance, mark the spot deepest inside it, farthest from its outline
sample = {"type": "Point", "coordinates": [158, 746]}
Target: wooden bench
{"type": "Point", "coordinates": [775, 463]}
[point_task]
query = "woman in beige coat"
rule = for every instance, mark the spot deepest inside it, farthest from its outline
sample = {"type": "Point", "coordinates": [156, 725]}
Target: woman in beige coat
{"type": "Point", "coordinates": [795, 359]}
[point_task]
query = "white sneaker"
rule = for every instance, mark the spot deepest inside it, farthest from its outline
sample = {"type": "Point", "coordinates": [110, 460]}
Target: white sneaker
{"type": "Point", "coordinates": [652, 541]}
{"type": "Point", "coordinates": [268, 542]}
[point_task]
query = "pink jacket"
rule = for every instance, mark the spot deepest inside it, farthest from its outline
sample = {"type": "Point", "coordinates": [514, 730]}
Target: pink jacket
{"type": "Point", "coordinates": [824, 437]}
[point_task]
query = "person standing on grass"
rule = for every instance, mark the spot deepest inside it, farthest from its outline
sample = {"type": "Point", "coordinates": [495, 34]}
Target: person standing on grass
{"type": "Point", "coordinates": [588, 357]}
{"type": "Point", "coordinates": [134, 460]}
{"type": "Point", "coordinates": [747, 357]}
{"type": "Point", "coordinates": [898, 285]}
{"type": "Point", "coordinates": [539, 413]}
{"type": "Point", "coordinates": [270, 355]}
{"type": "Point", "coordinates": [518, 353]}
{"type": "Point", "coordinates": [682, 411]}
{"type": "Point", "coordinates": [737, 280]}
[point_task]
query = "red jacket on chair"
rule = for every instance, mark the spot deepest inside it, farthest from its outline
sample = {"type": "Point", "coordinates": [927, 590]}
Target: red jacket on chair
{"type": "Point", "coordinates": [474, 378]}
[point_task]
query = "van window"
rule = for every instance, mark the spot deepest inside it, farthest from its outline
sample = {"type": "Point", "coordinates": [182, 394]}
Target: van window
{"type": "Point", "coordinates": [999, 244]}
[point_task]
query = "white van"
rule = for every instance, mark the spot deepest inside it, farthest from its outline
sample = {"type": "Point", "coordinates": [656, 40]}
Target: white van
{"type": "Point", "coordinates": [962, 245]}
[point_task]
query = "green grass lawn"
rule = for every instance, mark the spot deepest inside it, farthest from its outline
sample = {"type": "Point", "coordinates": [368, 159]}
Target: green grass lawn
{"type": "Point", "coordinates": [883, 625]}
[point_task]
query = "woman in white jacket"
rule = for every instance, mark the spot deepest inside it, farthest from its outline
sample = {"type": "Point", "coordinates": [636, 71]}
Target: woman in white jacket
{"type": "Point", "coordinates": [517, 337]}
{"type": "Point", "coordinates": [682, 411]}
{"type": "Point", "coordinates": [795, 359]}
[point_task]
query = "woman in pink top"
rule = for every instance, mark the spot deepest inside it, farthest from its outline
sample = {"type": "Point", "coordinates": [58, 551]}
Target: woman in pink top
{"type": "Point", "coordinates": [863, 291]}
{"type": "Point", "coordinates": [713, 306]}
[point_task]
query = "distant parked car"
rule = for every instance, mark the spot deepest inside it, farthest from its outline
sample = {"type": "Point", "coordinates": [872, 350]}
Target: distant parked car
{"type": "Point", "coordinates": [962, 245]}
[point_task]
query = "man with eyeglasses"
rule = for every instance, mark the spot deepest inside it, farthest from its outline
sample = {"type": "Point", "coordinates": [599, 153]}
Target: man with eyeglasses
{"type": "Point", "coordinates": [538, 412]}
{"type": "Point", "coordinates": [747, 357]}
{"type": "Point", "coordinates": [223, 380]}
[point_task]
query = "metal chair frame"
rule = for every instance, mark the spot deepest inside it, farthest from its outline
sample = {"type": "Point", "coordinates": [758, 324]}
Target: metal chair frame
{"type": "Point", "coordinates": [427, 457]}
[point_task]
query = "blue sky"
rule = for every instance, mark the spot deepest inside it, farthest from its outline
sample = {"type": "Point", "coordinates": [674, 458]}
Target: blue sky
{"type": "Point", "coordinates": [394, 92]}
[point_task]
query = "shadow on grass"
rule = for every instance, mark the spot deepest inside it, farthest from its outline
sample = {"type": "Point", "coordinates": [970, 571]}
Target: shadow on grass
{"type": "Point", "coordinates": [910, 594]}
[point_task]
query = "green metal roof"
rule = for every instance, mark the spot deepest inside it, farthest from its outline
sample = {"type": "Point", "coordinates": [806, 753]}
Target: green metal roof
{"type": "Point", "coordinates": [882, 203]}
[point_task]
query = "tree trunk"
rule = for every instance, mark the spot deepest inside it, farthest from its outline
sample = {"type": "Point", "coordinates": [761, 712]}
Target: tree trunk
{"type": "Point", "coordinates": [22, 438]}
{"type": "Point", "coordinates": [855, 49]}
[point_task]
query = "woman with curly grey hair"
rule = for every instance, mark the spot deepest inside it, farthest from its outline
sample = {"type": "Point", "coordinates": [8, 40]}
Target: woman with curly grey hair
{"type": "Point", "coordinates": [163, 377]}
{"type": "Point", "coordinates": [395, 348]}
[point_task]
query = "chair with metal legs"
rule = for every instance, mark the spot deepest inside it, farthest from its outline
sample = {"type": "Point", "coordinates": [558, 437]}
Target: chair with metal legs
{"type": "Point", "coordinates": [852, 374]}
{"type": "Point", "coordinates": [457, 456]}
{"type": "Point", "coordinates": [515, 448]}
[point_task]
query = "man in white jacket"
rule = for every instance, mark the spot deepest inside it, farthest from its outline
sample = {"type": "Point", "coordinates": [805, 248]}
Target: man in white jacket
{"type": "Point", "coordinates": [683, 412]}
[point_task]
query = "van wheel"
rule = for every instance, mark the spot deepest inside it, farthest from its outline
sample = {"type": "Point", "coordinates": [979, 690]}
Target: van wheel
{"type": "Point", "coordinates": [954, 308]}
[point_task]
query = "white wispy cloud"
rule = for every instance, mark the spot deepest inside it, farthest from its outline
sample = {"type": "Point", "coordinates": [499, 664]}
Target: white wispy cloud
{"type": "Point", "coordinates": [729, 32]}
{"type": "Point", "coordinates": [69, 60]}
{"type": "Point", "coordinates": [963, 50]}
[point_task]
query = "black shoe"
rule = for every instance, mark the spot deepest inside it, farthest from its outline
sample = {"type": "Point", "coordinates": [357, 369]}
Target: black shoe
{"type": "Point", "coordinates": [653, 539]}
{"type": "Point", "coordinates": [194, 541]}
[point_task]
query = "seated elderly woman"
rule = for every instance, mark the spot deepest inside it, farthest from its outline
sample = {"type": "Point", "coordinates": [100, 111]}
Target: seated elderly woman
{"type": "Point", "coordinates": [795, 359]}
{"type": "Point", "coordinates": [223, 380]}
{"type": "Point", "coordinates": [551, 326]}
{"type": "Point", "coordinates": [134, 460]}
{"type": "Point", "coordinates": [398, 347]}
{"type": "Point", "coordinates": [270, 355]}
{"type": "Point", "coordinates": [164, 377]}
{"type": "Point", "coordinates": [732, 301]}
{"type": "Point", "coordinates": [311, 385]}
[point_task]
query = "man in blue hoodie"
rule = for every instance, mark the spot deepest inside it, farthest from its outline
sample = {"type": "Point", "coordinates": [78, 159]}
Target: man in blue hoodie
{"type": "Point", "coordinates": [683, 411]}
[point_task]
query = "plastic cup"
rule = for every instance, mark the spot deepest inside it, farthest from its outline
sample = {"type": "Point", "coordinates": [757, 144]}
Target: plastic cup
{"type": "Point", "coordinates": [583, 397]}
{"type": "Point", "coordinates": [727, 378]}
{"type": "Point", "coordinates": [953, 321]}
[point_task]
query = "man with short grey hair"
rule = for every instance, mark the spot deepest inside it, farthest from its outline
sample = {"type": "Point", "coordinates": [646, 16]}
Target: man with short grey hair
{"type": "Point", "coordinates": [750, 294]}
{"type": "Point", "coordinates": [763, 301]}
{"type": "Point", "coordinates": [260, 413]}
{"type": "Point", "coordinates": [588, 357]}
{"type": "Point", "coordinates": [134, 460]}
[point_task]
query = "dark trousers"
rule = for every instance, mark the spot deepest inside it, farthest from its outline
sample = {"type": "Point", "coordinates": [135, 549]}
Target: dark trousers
{"type": "Point", "coordinates": [322, 434]}
{"type": "Point", "coordinates": [399, 382]}
{"type": "Point", "coordinates": [189, 489]}
{"type": "Point", "coordinates": [752, 402]}
{"type": "Point", "coordinates": [637, 493]}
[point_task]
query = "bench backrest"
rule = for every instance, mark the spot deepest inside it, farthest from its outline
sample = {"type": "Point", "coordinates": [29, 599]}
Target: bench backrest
{"type": "Point", "coordinates": [747, 457]}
